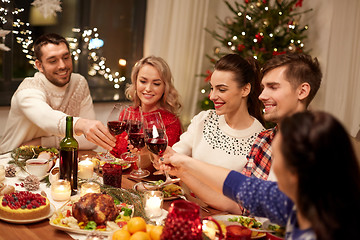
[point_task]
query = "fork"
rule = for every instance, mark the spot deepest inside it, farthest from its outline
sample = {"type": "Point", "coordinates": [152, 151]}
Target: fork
{"type": "Point", "coordinates": [203, 208]}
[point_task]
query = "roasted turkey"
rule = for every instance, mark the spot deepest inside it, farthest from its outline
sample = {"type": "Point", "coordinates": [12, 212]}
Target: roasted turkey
{"type": "Point", "coordinates": [95, 207]}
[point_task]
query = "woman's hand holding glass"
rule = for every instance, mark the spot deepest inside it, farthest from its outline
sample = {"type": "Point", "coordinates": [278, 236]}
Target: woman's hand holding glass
{"type": "Point", "coordinates": [156, 139]}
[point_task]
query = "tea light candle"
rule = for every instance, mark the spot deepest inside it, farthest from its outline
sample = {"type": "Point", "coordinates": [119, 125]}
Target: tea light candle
{"type": "Point", "coordinates": [89, 187]}
{"type": "Point", "coordinates": [60, 190]}
{"type": "Point", "coordinates": [153, 203]}
{"type": "Point", "coordinates": [2, 173]}
{"type": "Point", "coordinates": [86, 169]}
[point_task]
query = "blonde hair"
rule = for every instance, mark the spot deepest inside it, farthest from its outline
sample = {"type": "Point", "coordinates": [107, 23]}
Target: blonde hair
{"type": "Point", "coordinates": [170, 99]}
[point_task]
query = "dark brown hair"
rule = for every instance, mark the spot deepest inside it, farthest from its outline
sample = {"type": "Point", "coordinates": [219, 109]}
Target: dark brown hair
{"type": "Point", "coordinates": [52, 38]}
{"type": "Point", "coordinates": [245, 71]}
{"type": "Point", "coordinates": [317, 148]}
{"type": "Point", "coordinates": [300, 68]}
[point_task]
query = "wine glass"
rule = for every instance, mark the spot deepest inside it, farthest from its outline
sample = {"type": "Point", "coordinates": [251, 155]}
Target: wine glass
{"type": "Point", "coordinates": [156, 139]}
{"type": "Point", "coordinates": [116, 124]}
{"type": "Point", "coordinates": [136, 138]}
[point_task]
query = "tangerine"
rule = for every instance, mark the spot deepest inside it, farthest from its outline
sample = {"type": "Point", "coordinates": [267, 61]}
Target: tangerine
{"type": "Point", "coordinates": [140, 236]}
{"type": "Point", "coordinates": [136, 224]}
{"type": "Point", "coordinates": [121, 234]}
{"type": "Point", "coordinates": [155, 232]}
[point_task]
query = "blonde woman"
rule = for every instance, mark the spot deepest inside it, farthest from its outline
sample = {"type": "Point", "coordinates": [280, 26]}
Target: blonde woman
{"type": "Point", "coordinates": [152, 89]}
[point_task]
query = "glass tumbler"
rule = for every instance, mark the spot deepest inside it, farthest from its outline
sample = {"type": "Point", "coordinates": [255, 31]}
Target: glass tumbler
{"type": "Point", "coordinates": [112, 174]}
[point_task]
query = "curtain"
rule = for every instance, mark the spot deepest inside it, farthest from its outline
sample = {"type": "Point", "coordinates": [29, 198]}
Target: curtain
{"type": "Point", "coordinates": [342, 77]}
{"type": "Point", "coordinates": [175, 32]}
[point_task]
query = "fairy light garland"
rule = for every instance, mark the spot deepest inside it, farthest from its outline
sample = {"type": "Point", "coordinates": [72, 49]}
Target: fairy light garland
{"type": "Point", "coordinates": [97, 63]}
{"type": "Point", "coordinates": [20, 30]}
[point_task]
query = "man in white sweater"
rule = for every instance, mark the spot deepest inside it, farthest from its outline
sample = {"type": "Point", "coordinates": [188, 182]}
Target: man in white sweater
{"type": "Point", "coordinates": [41, 103]}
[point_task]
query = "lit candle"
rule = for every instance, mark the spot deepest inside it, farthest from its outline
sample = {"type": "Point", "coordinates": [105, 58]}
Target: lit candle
{"type": "Point", "coordinates": [89, 187]}
{"type": "Point", "coordinates": [153, 203]}
{"type": "Point", "coordinates": [122, 63]}
{"type": "Point", "coordinates": [86, 169]}
{"type": "Point", "coordinates": [2, 173]}
{"type": "Point", "coordinates": [60, 190]}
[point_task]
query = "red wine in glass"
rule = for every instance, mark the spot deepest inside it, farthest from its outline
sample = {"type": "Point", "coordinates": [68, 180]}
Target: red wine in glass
{"type": "Point", "coordinates": [134, 126]}
{"type": "Point", "coordinates": [137, 140]}
{"type": "Point", "coordinates": [156, 145]}
{"type": "Point", "coordinates": [116, 127]}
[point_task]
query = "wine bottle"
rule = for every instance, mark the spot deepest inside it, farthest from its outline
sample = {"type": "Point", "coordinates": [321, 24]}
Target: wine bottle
{"type": "Point", "coordinates": [69, 156]}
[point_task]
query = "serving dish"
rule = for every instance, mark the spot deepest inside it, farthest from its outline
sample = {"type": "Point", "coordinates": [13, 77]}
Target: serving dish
{"type": "Point", "coordinates": [52, 211]}
{"type": "Point", "coordinates": [63, 219]}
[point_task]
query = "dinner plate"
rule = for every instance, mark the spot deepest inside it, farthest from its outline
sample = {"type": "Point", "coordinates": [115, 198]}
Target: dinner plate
{"type": "Point", "coordinates": [140, 187]}
{"type": "Point", "coordinates": [224, 219]}
{"type": "Point", "coordinates": [52, 211]}
{"type": "Point", "coordinates": [79, 231]}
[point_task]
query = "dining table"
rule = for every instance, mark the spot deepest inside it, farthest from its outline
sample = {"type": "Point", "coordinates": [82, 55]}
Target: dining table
{"type": "Point", "coordinates": [43, 230]}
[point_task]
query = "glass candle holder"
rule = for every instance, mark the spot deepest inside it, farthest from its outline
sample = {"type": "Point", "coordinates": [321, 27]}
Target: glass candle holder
{"type": "Point", "coordinates": [2, 173]}
{"type": "Point", "coordinates": [89, 187]}
{"type": "Point", "coordinates": [153, 202]}
{"type": "Point", "coordinates": [60, 190]}
{"type": "Point", "coordinates": [183, 221]}
{"type": "Point", "coordinates": [86, 169]}
{"type": "Point", "coordinates": [112, 174]}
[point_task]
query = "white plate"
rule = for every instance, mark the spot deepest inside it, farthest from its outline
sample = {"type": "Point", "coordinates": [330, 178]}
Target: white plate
{"type": "Point", "coordinates": [79, 231]}
{"type": "Point", "coordinates": [52, 210]}
{"type": "Point", "coordinates": [224, 219]}
{"type": "Point", "coordinates": [140, 187]}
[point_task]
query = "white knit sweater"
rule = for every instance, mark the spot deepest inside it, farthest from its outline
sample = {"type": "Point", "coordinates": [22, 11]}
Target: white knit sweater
{"type": "Point", "coordinates": [210, 139]}
{"type": "Point", "coordinates": [39, 109]}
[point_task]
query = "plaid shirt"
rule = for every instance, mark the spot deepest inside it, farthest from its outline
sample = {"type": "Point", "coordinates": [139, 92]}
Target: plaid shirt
{"type": "Point", "coordinates": [259, 158]}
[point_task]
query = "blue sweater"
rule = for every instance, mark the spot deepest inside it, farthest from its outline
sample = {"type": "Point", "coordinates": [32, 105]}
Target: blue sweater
{"type": "Point", "coordinates": [264, 199]}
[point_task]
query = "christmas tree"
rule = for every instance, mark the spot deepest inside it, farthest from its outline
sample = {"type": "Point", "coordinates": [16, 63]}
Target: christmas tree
{"type": "Point", "coordinates": [260, 29]}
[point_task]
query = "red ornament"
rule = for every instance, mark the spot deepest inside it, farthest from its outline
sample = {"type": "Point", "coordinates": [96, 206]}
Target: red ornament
{"type": "Point", "coordinates": [208, 77]}
{"type": "Point", "coordinates": [241, 47]}
{"type": "Point", "coordinates": [299, 3]}
{"type": "Point", "coordinates": [264, 1]}
{"type": "Point", "coordinates": [246, 1]}
{"type": "Point", "coordinates": [259, 37]}
{"type": "Point", "coordinates": [278, 53]}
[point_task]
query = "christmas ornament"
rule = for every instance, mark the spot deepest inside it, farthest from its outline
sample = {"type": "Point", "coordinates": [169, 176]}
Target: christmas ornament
{"type": "Point", "coordinates": [228, 20]}
{"type": "Point", "coordinates": [47, 7]}
{"type": "Point", "coordinates": [292, 48]}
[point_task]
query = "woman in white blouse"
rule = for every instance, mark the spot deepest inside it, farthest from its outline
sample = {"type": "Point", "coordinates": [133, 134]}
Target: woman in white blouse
{"type": "Point", "coordinates": [224, 136]}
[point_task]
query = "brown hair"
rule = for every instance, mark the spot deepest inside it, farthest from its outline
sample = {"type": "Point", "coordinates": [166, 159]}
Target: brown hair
{"type": "Point", "coordinates": [170, 99]}
{"type": "Point", "coordinates": [245, 71]}
{"type": "Point", "coordinates": [317, 148]}
{"type": "Point", "coordinates": [52, 38]}
{"type": "Point", "coordinates": [300, 68]}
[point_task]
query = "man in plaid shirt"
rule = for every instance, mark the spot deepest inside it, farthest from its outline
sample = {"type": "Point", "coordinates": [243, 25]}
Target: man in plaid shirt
{"type": "Point", "coordinates": [289, 82]}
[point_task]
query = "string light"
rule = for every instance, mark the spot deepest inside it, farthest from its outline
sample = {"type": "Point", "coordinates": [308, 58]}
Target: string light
{"type": "Point", "coordinates": [20, 30]}
{"type": "Point", "coordinates": [97, 63]}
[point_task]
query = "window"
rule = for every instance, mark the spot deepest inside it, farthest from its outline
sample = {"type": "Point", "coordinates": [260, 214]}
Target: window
{"type": "Point", "coordinates": [118, 23]}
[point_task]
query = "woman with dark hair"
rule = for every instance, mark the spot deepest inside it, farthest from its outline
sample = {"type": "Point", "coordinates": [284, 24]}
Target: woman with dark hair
{"type": "Point", "coordinates": [224, 136]}
{"type": "Point", "coordinates": [318, 190]}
